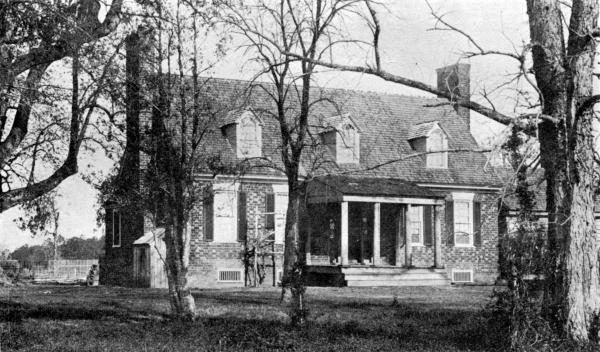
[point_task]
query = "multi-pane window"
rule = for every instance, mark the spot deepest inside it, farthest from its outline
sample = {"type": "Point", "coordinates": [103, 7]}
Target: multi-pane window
{"type": "Point", "coordinates": [463, 223]}
{"type": "Point", "coordinates": [116, 228]}
{"type": "Point", "coordinates": [269, 211]}
{"type": "Point", "coordinates": [348, 135]}
{"type": "Point", "coordinates": [437, 142]}
{"type": "Point", "coordinates": [348, 146]}
{"type": "Point", "coordinates": [416, 225]}
{"type": "Point", "coordinates": [249, 141]}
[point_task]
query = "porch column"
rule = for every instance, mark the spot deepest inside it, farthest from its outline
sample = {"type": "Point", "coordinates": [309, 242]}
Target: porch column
{"type": "Point", "coordinates": [344, 234]}
{"type": "Point", "coordinates": [399, 240]}
{"type": "Point", "coordinates": [307, 248]}
{"type": "Point", "coordinates": [376, 234]}
{"type": "Point", "coordinates": [437, 228]}
{"type": "Point", "coordinates": [408, 251]}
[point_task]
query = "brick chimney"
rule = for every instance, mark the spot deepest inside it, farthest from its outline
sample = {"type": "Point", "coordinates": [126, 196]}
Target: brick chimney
{"type": "Point", "coordinates": [455, 79]}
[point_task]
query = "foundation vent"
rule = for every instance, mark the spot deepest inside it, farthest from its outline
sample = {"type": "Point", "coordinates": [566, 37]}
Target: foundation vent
{"type": "Point", "coordinates": [462, 276]}
{"type": "Point", "coordinates": [230, 275]}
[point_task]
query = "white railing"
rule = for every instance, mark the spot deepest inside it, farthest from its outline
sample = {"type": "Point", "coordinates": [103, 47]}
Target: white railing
{"type": "Point", "coordinates": [63, 270]}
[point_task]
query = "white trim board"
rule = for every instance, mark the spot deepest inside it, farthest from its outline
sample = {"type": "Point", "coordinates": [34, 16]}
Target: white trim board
{"type": "Point", "coordinates": [461, 187]}
{"type": "Point", "coordinates": [399, 200]}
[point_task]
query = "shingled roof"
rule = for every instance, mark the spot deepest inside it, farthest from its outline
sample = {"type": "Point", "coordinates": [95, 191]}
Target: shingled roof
{"type": "Point", "coordinates": [384, 121]}
{"type": "Point", "coordinates": [366, 186]}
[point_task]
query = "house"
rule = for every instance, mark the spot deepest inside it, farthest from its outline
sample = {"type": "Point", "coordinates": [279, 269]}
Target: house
{"type": "Point", "coordinates": [509, 203]}
{"type": "Point", "coordinates": [397, 193]}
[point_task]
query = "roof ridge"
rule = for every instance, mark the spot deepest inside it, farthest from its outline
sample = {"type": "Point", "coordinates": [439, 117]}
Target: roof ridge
{"type": "Point", "coordinates": [334, 89]}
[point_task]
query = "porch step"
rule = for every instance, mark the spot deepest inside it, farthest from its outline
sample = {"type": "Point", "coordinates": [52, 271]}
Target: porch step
{"type": "Point", "coordinates": [394, 277]}
{"type": "Point", "coordinates": [396, 283]}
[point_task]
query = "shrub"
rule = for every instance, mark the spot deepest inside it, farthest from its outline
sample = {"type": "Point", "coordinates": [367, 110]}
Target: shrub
{"type": "Point", "coordinates": [10, 267]}
{"type": "Point", "coordinates": [518, 312]}
{"type": "Point", "coordinates": [25, 274]}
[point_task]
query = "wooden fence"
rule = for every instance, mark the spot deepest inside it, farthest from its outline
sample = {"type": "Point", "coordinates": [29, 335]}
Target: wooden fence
{"type": "Point", "coordinates": [63, 270]}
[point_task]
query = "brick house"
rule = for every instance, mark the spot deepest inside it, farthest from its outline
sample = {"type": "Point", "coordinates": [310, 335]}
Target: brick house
{"type": "Point", "coordinates": [509, 208]}
{"type": "Point", "coordinates": [397, 193]}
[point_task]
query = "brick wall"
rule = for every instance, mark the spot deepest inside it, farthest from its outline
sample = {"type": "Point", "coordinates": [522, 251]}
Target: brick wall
{"type": "Point", "coordinates": [208, 257]}
{"type": "Point", "coordinates": [482, 260]}
{"type": "Point", "coordinates": [117, 264]}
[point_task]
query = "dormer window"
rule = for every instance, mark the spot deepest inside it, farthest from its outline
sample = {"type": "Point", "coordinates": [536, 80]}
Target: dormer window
{"type": "Point", "coordinates": [437, 142]}
{"type": "Point", "coordinates": [431, 140]}
{"type": "Point", "coordinates": [342, 136]}
{"type": "Point", "coordinates": [250, 138]}
{"type": "Point", "coordinates": [244, 132]}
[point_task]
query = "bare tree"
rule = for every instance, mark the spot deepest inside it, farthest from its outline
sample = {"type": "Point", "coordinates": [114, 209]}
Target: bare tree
{"type": "Point", "coordinates": [33, 36]}
{"type": "Point", "coordinates": [273, 30]}
{"type": "Point", "coordinates": [562, 49]}
{"type": "Point", "coordinates": [180, 119]}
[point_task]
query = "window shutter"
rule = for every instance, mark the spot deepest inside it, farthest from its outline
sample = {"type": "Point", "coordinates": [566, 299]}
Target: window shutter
{"type": "Point", "coordinates": [270, 208]}
{"type": "Point", "coordinates": [477, 224]}
{"type": "Point", "coordinates": [109, 226]}
{"type": "Point", "coordinates": [450, 222]}
{"type": "Point", "coordinates": [242, 217]}
{"type": "Point", "coordinates": [116, 228]}
{"type": "Point", "coordinates": [208, 219]}
{"type": "Point", "coordinates": [427, 225]}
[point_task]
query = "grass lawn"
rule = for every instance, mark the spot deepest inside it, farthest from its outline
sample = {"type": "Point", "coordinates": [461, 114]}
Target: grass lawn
{"type": "Point", "coordinates": [73, 318]}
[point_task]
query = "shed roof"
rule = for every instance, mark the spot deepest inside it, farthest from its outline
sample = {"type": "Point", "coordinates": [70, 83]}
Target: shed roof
{"type": "Point", "coordinates": [150, 236]}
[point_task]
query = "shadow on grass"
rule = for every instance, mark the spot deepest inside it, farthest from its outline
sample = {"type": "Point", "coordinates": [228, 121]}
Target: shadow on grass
{"type": "Point", "coordinates": [402, 327]}
{"type": "Point", "coordinates": [16, 312]}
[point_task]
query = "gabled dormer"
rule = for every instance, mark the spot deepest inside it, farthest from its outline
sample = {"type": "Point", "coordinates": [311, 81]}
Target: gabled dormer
{"type": "Point", "coordinates": [430, 139]}
{"type": "Point", "coordinates": [244, 132]}
{"type": "Point", "coordinates": [342, 136]}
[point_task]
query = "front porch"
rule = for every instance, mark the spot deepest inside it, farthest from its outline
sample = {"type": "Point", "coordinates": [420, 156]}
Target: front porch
{"type": "Point", "coordinates": [372, 232]}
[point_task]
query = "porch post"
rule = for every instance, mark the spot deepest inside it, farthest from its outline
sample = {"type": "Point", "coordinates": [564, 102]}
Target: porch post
{"type": "Point", "coordinates": [407, 239]}
{"type": "Point", "coordinates": [307, 244]}
{"type": "Point", "coordinates": [344, 234]}
{"type": "Point", "coordinates": [437, 228]}
{"type": "Point", "coordinates": [399, 243]}
{"type": "Point", "coordinates": [376, 234]}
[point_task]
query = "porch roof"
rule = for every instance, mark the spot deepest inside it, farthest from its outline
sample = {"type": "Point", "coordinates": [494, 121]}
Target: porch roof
{"type": "Point", "coordinates": [334, 188]}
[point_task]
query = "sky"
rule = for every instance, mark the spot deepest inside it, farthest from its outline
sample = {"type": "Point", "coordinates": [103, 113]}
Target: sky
{"type": "Point", "coordinates": [408, 49]}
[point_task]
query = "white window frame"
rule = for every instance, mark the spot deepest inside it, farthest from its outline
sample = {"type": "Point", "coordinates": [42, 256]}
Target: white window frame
{"type": "Point", "coordinates": [348, 144]}
{"type": "Point", "coordinates": [444, 147]}
{"type": "Point", "coordinates": [225, 215]}
{"type": "Point", "coordinates": [465, 198]}
{"type": "Point", "coordinates": [249, 148]}
{"type": "Point", "coordinates": [281, 204]}
{"type": "Point", "coordinates": [419, 210]}
{"type": "Point", "coordinates": [113, 229]}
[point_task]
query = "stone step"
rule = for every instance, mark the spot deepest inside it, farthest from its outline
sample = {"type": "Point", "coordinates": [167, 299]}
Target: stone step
{"type": "Point", "coordinates": [369, 276]}
{"type": "Point", "coordinates": [439, 282]}
{"type": "Point", "coordinates": [390, 270]}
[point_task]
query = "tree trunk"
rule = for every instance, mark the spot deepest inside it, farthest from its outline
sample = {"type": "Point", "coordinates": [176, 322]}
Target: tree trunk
{"type": "Point", "coordinates": [581, 281]}
{"type": "Point", "coordinates": [564, 78]}
{"type": "Point", "coordinates": [183, 306]}
{"type": "Point", "coordinates": [293, 267]}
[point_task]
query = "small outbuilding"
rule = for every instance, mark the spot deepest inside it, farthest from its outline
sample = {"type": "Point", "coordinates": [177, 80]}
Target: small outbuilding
{"type": "Point", "coordinates": [149, 255]}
